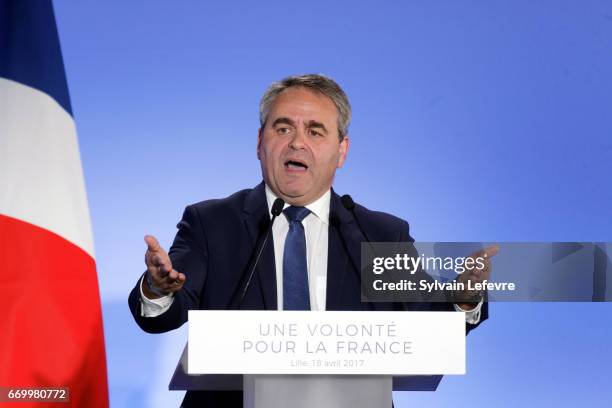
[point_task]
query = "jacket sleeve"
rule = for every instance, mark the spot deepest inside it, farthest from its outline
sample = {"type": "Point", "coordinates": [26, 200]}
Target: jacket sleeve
{"type": "Point", "coordinates": [189, 255]}
{"type": "Point", "coordinates": [439, 306]}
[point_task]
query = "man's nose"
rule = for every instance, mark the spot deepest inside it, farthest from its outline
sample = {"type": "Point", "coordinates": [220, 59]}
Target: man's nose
{"type": "Point", "coordinates": [298, 140]}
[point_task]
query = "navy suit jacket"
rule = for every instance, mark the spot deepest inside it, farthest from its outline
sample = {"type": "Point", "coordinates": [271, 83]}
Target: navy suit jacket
{"type": "Point", "coordinates": [213, 247]}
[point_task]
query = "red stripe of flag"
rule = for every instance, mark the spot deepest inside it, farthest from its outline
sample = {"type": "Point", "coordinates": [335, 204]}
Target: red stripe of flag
{"type": "Point", "coordinates": [51, 324]}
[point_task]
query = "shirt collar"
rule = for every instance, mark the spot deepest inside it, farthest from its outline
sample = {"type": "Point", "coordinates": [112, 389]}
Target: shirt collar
{"type": "Point", "coordinates": [319, 207]}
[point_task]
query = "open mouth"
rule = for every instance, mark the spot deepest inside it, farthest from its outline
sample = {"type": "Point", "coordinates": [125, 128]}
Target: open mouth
{"type": "Point", "coordinates": [296, 165]}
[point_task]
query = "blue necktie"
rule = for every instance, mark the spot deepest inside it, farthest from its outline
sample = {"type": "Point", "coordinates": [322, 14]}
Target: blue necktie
{"type": "Point", "coordinates": [295, 269]}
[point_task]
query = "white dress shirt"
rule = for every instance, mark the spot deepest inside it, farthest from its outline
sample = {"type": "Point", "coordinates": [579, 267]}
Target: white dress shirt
{"type": "Point", "coordinates": [316, 227]}
{"type": "Point", "coordinates": [316, 230]}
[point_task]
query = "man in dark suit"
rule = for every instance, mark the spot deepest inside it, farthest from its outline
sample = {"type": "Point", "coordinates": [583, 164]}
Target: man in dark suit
{"type": "Point", "coordinates": [310, 261]}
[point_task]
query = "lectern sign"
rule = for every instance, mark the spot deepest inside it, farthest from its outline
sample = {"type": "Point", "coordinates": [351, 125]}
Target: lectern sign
{"type": "Point", "coordinates": [269, 342]}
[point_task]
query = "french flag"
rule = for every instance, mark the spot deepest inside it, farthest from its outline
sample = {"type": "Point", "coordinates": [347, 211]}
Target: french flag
{"type": "Point", "coordinates": [51, 332]}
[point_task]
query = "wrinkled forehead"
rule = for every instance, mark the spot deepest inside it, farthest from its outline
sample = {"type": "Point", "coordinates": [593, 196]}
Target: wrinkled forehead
{"type": "Point", "coordinates": [302, 105]}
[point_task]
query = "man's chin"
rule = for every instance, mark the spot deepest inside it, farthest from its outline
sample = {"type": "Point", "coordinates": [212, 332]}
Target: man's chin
{"type": "Point", "coordinates": [294, 196]}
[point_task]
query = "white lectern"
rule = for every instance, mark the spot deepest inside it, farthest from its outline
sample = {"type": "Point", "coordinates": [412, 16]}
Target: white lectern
{"type": "Point", "coordinates": [321, 359]}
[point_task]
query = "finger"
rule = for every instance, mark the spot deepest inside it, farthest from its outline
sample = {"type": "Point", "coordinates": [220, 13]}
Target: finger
{"type": "Point", "coordinates": [152, 243]}
{"type": "Point", "coordinates": [175, 287]}
{"type": "Point", "coordinates": [180, 279]}
{"type": "Point", "coordinates": [178, 282]}
{"type": "Point", "coordinates": [490, 251]}
{"type": "Point", "coordinates": [487, 252]}
{"type": "Point", "coordinates": [172, 276]}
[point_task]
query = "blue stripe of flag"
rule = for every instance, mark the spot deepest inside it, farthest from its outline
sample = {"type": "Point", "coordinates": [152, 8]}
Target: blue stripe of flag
{"type": "Point", "coordinates": [30, 50]}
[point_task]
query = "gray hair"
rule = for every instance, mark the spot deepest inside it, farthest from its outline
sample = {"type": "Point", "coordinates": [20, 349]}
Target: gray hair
{"type": "Point", "coordinates": [314, 82]}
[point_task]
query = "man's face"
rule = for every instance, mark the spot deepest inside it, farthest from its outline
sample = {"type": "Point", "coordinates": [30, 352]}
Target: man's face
{"type": "Point", "coordinates": [299, 148]}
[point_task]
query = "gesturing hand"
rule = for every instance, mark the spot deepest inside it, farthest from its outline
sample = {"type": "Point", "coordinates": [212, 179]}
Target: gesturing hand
{"type": "Point", "coordinates": [467, 297]}
{"type": "Point", "coordinates": [161, 279]}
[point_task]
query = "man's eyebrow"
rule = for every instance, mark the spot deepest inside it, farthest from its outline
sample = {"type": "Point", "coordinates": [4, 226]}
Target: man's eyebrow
{"type": "Point", "coordinates": [283, 120]}
{"type": "Point", "coordinates": [314, 124]}
{"type": "Point", "coordinates": [311, 124]}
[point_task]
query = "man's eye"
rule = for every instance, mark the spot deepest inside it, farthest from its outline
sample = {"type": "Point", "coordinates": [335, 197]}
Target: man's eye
{"type": "Point", "coordinates": [283, 130]}
{"type": "Point", "coordinates": [314, 133]}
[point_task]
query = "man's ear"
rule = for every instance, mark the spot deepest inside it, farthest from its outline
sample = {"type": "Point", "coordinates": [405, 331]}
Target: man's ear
{"type": "Point", "coordinates": [343, 150]}
{"type": "Point", "coordinates": [259, 137]}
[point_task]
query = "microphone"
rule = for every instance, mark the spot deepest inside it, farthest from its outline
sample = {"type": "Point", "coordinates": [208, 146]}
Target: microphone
{"type": "Point", "coordinates": [277, 209]}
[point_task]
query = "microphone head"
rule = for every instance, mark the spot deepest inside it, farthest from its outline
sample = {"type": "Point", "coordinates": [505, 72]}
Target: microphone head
{"type": "Point", "coordinates": [347, 202]}
{"type": "Point", "coordinates": [277, 207]}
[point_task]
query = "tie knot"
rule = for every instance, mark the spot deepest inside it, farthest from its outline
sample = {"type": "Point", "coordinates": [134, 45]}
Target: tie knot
{"type": "Point", "coordinates": [296, 213]}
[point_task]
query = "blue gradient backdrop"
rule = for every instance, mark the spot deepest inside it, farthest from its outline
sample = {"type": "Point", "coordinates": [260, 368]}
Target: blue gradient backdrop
{"type": "Point", "coordinates": [473, 120]}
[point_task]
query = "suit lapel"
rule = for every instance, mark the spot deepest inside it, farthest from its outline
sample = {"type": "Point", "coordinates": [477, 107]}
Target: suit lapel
{"type": "Point", "coordinates": [342, 253]}
{"type": "Point", "coordinates": [256, 220]}
{"type": "Point", "coordinates": [344, 262]}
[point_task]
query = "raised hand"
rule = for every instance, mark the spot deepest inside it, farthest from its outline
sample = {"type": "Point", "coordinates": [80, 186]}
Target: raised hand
{"type": "Point", "coordinates": [162, 279]}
